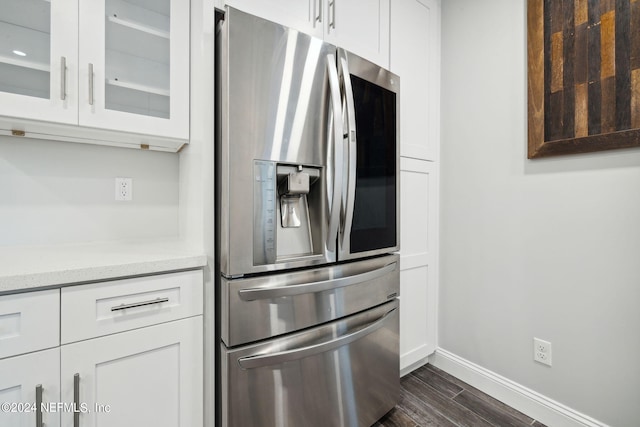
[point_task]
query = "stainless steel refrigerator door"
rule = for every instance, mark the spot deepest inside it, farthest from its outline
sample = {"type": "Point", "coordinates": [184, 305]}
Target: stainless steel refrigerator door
{"type": "Point", "coordinates": [371, 197]}
{"type": "Point", "coordinates": [262, 307]}
{"type": "Point", "coordinates": [279, 101]}
{"type": "Point", "coordinates": [344, 373]}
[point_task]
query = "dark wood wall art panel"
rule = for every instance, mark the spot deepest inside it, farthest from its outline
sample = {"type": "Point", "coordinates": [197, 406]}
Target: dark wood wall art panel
{"type": "Point", "coordinates": [583, 76]}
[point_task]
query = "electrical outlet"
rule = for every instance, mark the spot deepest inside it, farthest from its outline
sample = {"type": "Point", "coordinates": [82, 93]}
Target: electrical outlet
{"type": "Point", "coordinates": [124, 189]}
{"type": "Point", "coordinates": [542, 351]}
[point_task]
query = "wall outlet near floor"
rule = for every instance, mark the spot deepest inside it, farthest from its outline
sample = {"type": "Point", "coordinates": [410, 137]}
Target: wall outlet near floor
{"type": "Point", "coordinates": [124, 189]}
{"type": "Point", "coordinates": [542, 351]}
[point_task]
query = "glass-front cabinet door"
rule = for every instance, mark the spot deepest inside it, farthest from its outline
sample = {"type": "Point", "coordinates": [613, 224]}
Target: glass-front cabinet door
{"type": "Point", "coordinates": [134, 66]}
{"type": "Point", "coordinates": [38, 59]}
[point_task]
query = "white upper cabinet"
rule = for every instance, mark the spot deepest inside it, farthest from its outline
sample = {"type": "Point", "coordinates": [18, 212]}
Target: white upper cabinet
{"type": "Point", "coordinates": [415, 53]}
{"type": "Point", "coordinates": [38, 47]}
{"type": "Point", "coordinates": [303, 15]}
{"type": "Point", "coordinates": [134, 66]}
{"type": "Point", "coordinates": [360, 26]}
{"type": "Point", "coordinates": [99, 65]}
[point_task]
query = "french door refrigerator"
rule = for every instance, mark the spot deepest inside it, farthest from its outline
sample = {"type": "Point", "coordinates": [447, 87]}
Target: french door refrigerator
{"type": "Point", "coordinates": [307, 225]}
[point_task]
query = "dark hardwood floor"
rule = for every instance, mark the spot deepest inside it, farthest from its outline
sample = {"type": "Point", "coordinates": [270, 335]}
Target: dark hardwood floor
{"type": "Point", "coordinates": [432, 397]}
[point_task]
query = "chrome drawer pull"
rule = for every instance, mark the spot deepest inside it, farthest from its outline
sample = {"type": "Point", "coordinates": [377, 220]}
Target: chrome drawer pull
{"type": "Point", "coordinates": [139, 304]}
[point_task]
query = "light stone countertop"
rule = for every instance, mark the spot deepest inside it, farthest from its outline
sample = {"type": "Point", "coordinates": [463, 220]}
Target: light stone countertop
{"type": "Point", "coordinates": [29, 268]}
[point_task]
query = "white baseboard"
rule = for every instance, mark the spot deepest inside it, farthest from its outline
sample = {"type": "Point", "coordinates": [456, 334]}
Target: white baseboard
{"type": "Point", "coordinates": [525, 400]}
{"type": "Point", "coordinates": [408, 368]}
{"type": "Point", "coordinates": [414, 359]}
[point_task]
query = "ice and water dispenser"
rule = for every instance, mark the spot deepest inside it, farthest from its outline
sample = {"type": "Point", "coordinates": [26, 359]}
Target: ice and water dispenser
{"type": "Point", "coordinates": [287, 212]}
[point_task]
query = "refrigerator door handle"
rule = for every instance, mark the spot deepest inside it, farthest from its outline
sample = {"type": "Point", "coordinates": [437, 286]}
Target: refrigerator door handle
{"type": "Point", "coordinates": [351, 142]}
{"type": "Point", "coordinates": [262, 360]}
{"type": "Point", "coordinates": [253, 294]}
{"type": "Point", "coordinates": [336, 123]}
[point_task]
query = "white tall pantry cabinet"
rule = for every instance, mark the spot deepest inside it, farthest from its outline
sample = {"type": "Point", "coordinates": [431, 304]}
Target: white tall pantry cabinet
{"type": "Point", "coordinates": [415, 57]}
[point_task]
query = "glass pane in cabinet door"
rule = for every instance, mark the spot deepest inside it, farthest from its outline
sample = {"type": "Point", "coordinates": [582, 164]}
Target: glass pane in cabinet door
{"type": "Point", "coordinates": [137, 56]}
{"type": "Point", "coordinates": [25, 47]}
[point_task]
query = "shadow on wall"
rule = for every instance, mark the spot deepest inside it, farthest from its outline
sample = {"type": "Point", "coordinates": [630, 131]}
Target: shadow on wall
{"type": "Point", "coordinates": [623, 158]}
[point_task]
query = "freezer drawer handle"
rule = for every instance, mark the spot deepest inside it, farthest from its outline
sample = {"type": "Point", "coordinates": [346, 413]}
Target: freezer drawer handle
{"type": "Point", "coordinates": [253, 294]}
{"type": "Point", "coordinates": [139, 304]}
{"type": "Point", "coordinates": [262, 360]}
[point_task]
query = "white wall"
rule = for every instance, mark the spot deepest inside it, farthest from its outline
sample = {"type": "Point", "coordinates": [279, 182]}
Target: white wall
{"type": "Point", "coordinates": [60, 192]}
{"type": "Point", "coordinates": [547, 248]}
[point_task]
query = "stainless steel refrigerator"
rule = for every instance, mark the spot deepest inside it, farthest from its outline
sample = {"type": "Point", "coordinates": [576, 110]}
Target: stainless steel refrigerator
{"type": "Point", "coordinates": [307, 217]}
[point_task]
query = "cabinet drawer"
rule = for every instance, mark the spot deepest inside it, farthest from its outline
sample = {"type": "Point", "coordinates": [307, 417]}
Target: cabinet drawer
{"type": "Point", "coordinates": [29, 322]}
{"type": "Point", "coordinates": [105, 308]}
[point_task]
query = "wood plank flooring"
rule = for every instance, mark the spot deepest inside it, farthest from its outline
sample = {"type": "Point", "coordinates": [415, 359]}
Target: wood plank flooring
{"type": "Point", "coordinates": [432, 397]}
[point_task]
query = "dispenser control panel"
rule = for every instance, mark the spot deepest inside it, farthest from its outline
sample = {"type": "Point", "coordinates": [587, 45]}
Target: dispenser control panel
{"type": "Point", "coordinates": [265, 197]}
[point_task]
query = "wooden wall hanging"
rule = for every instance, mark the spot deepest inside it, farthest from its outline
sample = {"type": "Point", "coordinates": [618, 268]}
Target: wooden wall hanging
{"type": "Point", "coordinates": [583, 75]}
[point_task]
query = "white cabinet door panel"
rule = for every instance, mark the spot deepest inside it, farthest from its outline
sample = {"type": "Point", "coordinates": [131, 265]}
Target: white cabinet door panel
{"type": "Point", "coordinates": [134, 67]}
{"type": "Point", "coordinates": [147, 377]}
{"type": "Point", "coordinates": [360, 26]}
{"type": "Point", "coordinates": [302, 15]}
{"type": "Point", "coordinates": [36, 39]}
{"type": "Point", "coordinates": [419, 260]}
{"type": "Point", "coordinates": [414, 318]}
{"type": "Point", "coordinates": [19, 377]}
{"type": "Point", "coordinates": [415, 57]}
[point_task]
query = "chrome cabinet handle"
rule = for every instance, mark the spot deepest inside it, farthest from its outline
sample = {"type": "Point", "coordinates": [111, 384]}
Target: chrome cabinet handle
{"type": "Point", "coordinates": [63, 78]}
{"type": "Point", "coordinates": [253, 294]}
{"type": "Point", "coordinates": [39, 406]}
{"type": "Point", "coordinates": [262, 360]}
{"type": "Point", "coordinates": [139, 304]}
{"type": "Point", "coordinates": [90, 84]}
{"type": "Point", "coordinates": [76, 400]}
{"type": "Point", "coordinates": [332, 5]}
{"type": "Point", "coordinates": [336, 121]}
{"type": "Point", "coordinates": [317, 12]}
{"type": "Point", "coordinates": [352, 145]}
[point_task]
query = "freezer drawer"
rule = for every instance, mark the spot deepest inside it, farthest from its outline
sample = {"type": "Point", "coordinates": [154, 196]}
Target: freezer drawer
{"type": "Point", "coordinates": [263, 307]}
{"type": "Point", "coordinates": [344, 373]}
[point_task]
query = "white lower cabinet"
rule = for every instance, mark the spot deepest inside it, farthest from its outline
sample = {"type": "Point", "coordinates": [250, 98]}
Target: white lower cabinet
{"type": "Point", "coordinates": [22, 380]}
{"type": "Point", "coordinates": [145, 377]}
{"type": "Point", "coordinates": [131, 354]}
